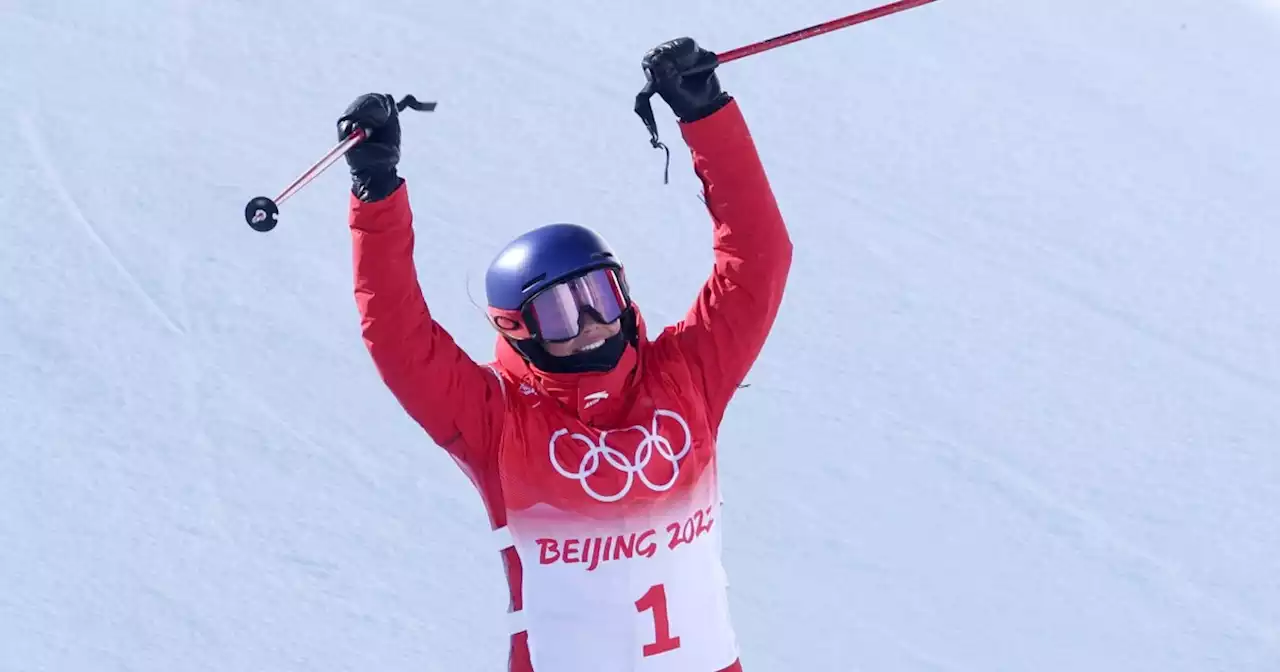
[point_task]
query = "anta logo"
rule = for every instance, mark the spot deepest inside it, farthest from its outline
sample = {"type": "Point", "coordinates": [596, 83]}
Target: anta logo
{"type": "Point", "coordinates": [610, 465]}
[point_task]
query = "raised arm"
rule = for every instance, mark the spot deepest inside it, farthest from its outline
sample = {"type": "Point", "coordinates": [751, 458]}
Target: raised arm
{"type": "Point", "coordinates": [729, 321]}
{"type": "Point", "coordinates": [458, 402]}
{"type": "Point", "coordinates": [726, 327]}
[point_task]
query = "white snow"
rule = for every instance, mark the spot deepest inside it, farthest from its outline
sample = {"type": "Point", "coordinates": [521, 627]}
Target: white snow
{"type": "Point", "coordinates": [1020, 411]}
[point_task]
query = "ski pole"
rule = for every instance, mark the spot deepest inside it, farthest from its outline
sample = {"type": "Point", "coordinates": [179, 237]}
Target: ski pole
{"type": "Point", "coordinates": [645, 109]}
{"type": "Point", "coordinates": [811, 31]}
{"type": "Point", "coordinates": [262, 213]}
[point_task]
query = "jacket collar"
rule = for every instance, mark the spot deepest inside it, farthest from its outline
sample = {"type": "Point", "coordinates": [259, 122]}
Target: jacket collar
{"type": "Point", "coordinates": [595, 398]}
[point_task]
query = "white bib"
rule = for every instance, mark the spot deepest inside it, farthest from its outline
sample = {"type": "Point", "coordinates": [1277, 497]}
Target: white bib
{"type": "Point", "coordinates": [645, 592]}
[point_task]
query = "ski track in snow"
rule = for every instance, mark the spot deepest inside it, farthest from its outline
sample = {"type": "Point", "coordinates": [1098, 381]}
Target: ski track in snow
{"type": "Point", "coordinates": [33, 141]}
{"type": "Point", "coordinates": [35, 144]}
{"type": "Point", "coordinates": [196, 365]}
{"type": "Point", "coordinates": [31, 136]}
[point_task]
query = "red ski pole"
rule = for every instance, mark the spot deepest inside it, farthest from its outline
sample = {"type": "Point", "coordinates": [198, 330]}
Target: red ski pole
{"type": "Point", "coordinates": [813, 31]}
{"type": "Point", "coordinates": [645, 110]}
{"type": "Point", "coordinates": [262, 213]}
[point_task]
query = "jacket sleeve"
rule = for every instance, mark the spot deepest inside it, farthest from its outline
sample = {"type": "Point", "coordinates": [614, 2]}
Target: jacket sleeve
{"type": "Point", "coordinates": [726, 327]}
{"type": "Point", "coordinates": [458, 402]}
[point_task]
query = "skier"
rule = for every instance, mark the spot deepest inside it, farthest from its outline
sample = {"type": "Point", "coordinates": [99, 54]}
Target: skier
{"type": "Point", "coordinates": [592, 445]}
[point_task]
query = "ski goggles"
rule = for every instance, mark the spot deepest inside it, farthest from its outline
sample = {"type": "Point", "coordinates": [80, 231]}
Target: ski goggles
{"type": "Point", "coordinates": [555, 313]}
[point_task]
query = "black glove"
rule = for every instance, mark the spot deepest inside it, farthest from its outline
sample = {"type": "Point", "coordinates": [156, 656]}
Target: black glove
{"type": "Point", "coordinates": [691, 96]}
{"type": "Point", "coordinates": [373, 161]}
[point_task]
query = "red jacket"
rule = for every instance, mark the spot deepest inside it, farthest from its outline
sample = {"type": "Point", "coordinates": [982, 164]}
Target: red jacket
{"type": "Point", "coordinates": [543, 448]}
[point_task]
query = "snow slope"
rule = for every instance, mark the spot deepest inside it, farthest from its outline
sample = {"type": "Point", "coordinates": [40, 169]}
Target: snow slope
{"type": "Point", "coordinates": [1020, 411]}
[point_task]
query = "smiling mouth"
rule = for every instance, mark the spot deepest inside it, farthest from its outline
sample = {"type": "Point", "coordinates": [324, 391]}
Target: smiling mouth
{"type": "Point", "coordinates": [592, 346]}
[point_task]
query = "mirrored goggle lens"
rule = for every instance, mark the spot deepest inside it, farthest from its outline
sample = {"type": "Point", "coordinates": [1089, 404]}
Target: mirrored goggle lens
{"type": "Point", "coordinates": [558, 310]}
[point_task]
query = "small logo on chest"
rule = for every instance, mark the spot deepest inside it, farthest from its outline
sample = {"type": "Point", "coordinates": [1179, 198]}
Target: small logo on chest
{"type": "Point", "coordinates": [612, 463]}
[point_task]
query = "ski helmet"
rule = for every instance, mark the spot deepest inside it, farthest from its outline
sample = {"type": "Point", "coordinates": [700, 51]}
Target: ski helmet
{"type": "Point", "coordinates": [539, 285]}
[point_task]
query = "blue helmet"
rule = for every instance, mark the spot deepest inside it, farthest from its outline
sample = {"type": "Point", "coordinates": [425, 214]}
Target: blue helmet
{"type": "Point", "coordinates": [537, 262]}
{"type": "Point", "coordinates": [541, 258]}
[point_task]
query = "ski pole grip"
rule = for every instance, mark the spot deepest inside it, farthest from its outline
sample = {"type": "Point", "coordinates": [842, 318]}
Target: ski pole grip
{"type": "Point", "coordinates": [359, 133]}
{"type": "Point", "coordinates": [707, 64]}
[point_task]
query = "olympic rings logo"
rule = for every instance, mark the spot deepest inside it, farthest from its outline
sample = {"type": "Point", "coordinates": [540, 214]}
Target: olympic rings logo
{"type": "Point", "coordinates": [652, 443]}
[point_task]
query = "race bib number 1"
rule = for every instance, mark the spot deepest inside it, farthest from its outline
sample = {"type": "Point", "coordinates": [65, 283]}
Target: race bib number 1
{"type": "Point", "coordinates": [655, 600]}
